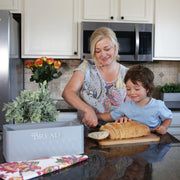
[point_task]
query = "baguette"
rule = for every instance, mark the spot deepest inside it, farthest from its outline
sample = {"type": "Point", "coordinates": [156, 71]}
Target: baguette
{"type": "Point", "coordinates": [121, 130]}
{"type": "Point", "coordinates": [112, 133]}
{"type": "Point", "coordinates": [116, 129]}
{"type": "Point", "coordinates": [134, 129]}
{"type": "Point", "coordinates": [99, 135]}
{"type": "Point", "coordinates": [129, 129]}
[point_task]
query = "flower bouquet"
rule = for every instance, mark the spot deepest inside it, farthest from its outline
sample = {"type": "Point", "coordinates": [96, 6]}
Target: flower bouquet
{"type": "Point", "coordinates": [44, 69]}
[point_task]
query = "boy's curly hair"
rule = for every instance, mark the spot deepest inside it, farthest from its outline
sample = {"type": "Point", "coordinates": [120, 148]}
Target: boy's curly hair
{"type": "Point", "coordinates": [142, 74]}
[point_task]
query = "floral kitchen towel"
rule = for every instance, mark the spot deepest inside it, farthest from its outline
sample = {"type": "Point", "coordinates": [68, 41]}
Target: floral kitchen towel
{"type": "Point", "coordinates": [23, 170]}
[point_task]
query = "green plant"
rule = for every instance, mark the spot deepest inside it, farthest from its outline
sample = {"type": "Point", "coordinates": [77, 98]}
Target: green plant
{"type": "Point", "coordinates": [32, 106]}
{"type": "Point", "coordinates": [170, 88]}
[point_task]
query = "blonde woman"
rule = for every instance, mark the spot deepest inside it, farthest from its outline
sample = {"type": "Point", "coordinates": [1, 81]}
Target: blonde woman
{"type": "Point", "coordinates": [97, 86]}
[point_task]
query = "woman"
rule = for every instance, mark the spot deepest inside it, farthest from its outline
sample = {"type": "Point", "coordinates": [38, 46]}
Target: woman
{"type": "Point", "coordinates": [97, 85]}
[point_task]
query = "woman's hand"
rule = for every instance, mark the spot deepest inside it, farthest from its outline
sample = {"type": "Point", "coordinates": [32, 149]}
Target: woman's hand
{"type": "Point", "coordinates": [90, 118]}
{"type": "Point", "coordinates": [122, 119]}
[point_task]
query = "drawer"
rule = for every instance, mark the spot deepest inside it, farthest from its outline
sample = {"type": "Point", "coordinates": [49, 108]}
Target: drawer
{"type": "Point", "coordinates": [176, 119]}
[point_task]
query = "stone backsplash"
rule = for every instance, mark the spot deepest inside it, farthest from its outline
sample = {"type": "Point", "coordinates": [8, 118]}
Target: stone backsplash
{"type": "Point", "coordinates": [164, 71]}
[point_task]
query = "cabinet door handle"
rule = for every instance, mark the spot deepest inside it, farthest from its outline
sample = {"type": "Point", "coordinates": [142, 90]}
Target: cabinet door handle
{"type": "Point", "coordinates": [112, 17]}
{"type": "Point", "coordinates": [122, 17]}
{"type": "Point", "coordinates": [75, 53]}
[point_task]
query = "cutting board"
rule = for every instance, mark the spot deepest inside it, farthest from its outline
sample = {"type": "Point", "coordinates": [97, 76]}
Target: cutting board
{"type": "Point", "coordinates": [143, 139]}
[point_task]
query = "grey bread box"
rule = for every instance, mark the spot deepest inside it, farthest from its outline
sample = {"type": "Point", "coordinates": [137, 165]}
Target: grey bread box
{"type": "Point", "coordinates": [31, 141]}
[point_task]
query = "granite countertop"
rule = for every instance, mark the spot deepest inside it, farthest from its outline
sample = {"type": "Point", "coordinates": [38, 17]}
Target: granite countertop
{"type": "Point", "coordinates": [63, 106]}
{"type": "Point", "coordinates": [138, 161]}
{"type": "Point", "coordinates": [135, 161]}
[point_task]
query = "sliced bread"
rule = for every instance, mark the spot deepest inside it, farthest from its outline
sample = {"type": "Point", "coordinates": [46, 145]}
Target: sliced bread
{"type": "Point", "coordinates": [99, 135]}
{"type": "Point", "coordinates": [112, 133]}
{"type": "Point", "coordinates": [115, 131]}
{"type": "Point", "coordinates": [122, 134]}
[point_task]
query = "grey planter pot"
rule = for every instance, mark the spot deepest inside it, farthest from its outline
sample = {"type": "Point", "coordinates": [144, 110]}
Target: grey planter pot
{"type": "Point", "coordinates": [172, 100]}
{"type": "Point", "coordinates": [31, 141]}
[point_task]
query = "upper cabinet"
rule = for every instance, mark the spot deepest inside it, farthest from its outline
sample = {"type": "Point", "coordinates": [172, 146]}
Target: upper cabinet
{"type": "Point", "coordinates": [11, 5]}
{"type": "Point", "coordinates": [97, 10]}
{"type": "Point", "coordinates": [49, 28]}
{"type": "Point", "coordinates": [118, 10]}
{"type": "Point", "coordinates": [136, 10]}
{"type": "Point", "coordinates": [167, 30]}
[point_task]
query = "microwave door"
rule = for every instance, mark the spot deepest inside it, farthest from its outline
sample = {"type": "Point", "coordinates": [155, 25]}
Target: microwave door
{"type": "Point", "coordinates": [136, 41]}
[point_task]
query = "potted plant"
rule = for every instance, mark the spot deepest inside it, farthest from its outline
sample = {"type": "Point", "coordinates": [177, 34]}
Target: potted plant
{"type": "Point", "coordinates": [32, 106]}
{"type": "Point", "coordinates": [170, 94]}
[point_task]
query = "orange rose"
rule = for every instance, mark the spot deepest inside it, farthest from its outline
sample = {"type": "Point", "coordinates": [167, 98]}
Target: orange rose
{"type": "Point", "coordinates": [50, 60]}
{"type": "Point", "coordinates": [57, 64]}
{"type": "Point", "coordinates": [44, 69]}
{"type": "Point", "coordinates": [44, 59]}
{"type": "Point", "coordinates": [28, 64]}
{"type": "Point", "coordinates": [38, 62]}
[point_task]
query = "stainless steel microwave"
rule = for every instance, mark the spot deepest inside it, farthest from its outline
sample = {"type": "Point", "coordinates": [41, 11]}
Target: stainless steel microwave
{"type": "Point", "coordinates": [135, 39]}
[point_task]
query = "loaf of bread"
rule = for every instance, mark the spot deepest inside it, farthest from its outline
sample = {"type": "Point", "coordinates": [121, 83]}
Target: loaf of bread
{"type": "Point", "coordinates": [125, 130]}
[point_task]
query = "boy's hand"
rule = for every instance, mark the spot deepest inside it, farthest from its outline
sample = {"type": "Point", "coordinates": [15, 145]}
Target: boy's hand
{"type": "Point", "coordinates": [161, 129]}
{"type": "Point", "coordinates": [122, 119]}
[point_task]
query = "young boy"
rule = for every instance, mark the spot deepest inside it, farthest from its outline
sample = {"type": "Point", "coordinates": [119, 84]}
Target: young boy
{"type": "Point", "coordinates": [141, 107]}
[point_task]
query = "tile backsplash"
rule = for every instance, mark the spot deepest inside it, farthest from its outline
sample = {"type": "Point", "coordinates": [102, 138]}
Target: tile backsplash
{"type": "Point", "coordinates": [164, 71]}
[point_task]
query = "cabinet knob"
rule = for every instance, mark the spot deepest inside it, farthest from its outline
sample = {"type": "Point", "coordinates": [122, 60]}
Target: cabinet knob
{"type": "Point", "coordinates": [122, 17]}
{"type": "Point", "coordinates": [75, 53]}
{"type": "Point", "coordinates": [112, 17]}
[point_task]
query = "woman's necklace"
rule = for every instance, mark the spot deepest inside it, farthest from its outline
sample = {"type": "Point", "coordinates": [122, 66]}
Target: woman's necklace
{"type": "Point", "coordinates": [109, 74]}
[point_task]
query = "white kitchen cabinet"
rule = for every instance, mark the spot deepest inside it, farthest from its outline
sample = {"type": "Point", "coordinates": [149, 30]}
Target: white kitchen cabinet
{"type": "Point", "coordinates": [118, 10]}
{"type": "Point", "coordinates": [11, 5]}
{"type": "Point", "coordinates": [97, 9]}
{"type": "Point", "coordinates": [167, 30]}
{"type": "Point", "coordinates": [50, 29]}
{"type": "Point", "coordinates": [136, 10]}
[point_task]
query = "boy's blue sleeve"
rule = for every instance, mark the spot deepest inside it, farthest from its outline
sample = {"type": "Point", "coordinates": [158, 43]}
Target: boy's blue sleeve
{"type": "Point", "coordinates": [116, 113]}
{"type": "Point", "coordinates": [165, 112]}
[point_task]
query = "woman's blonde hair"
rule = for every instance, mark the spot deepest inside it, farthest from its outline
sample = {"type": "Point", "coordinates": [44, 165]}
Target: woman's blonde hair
{"type": "Point", "coordinates": [100, 34]}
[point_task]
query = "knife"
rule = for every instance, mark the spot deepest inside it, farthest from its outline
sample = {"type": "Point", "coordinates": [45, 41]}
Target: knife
{"type": "Point", "coordinates": [95, 128]}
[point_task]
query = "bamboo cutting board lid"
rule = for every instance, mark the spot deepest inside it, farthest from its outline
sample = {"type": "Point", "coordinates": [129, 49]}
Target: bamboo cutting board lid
{"type": "Point", "coordinates": [143, 139]}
